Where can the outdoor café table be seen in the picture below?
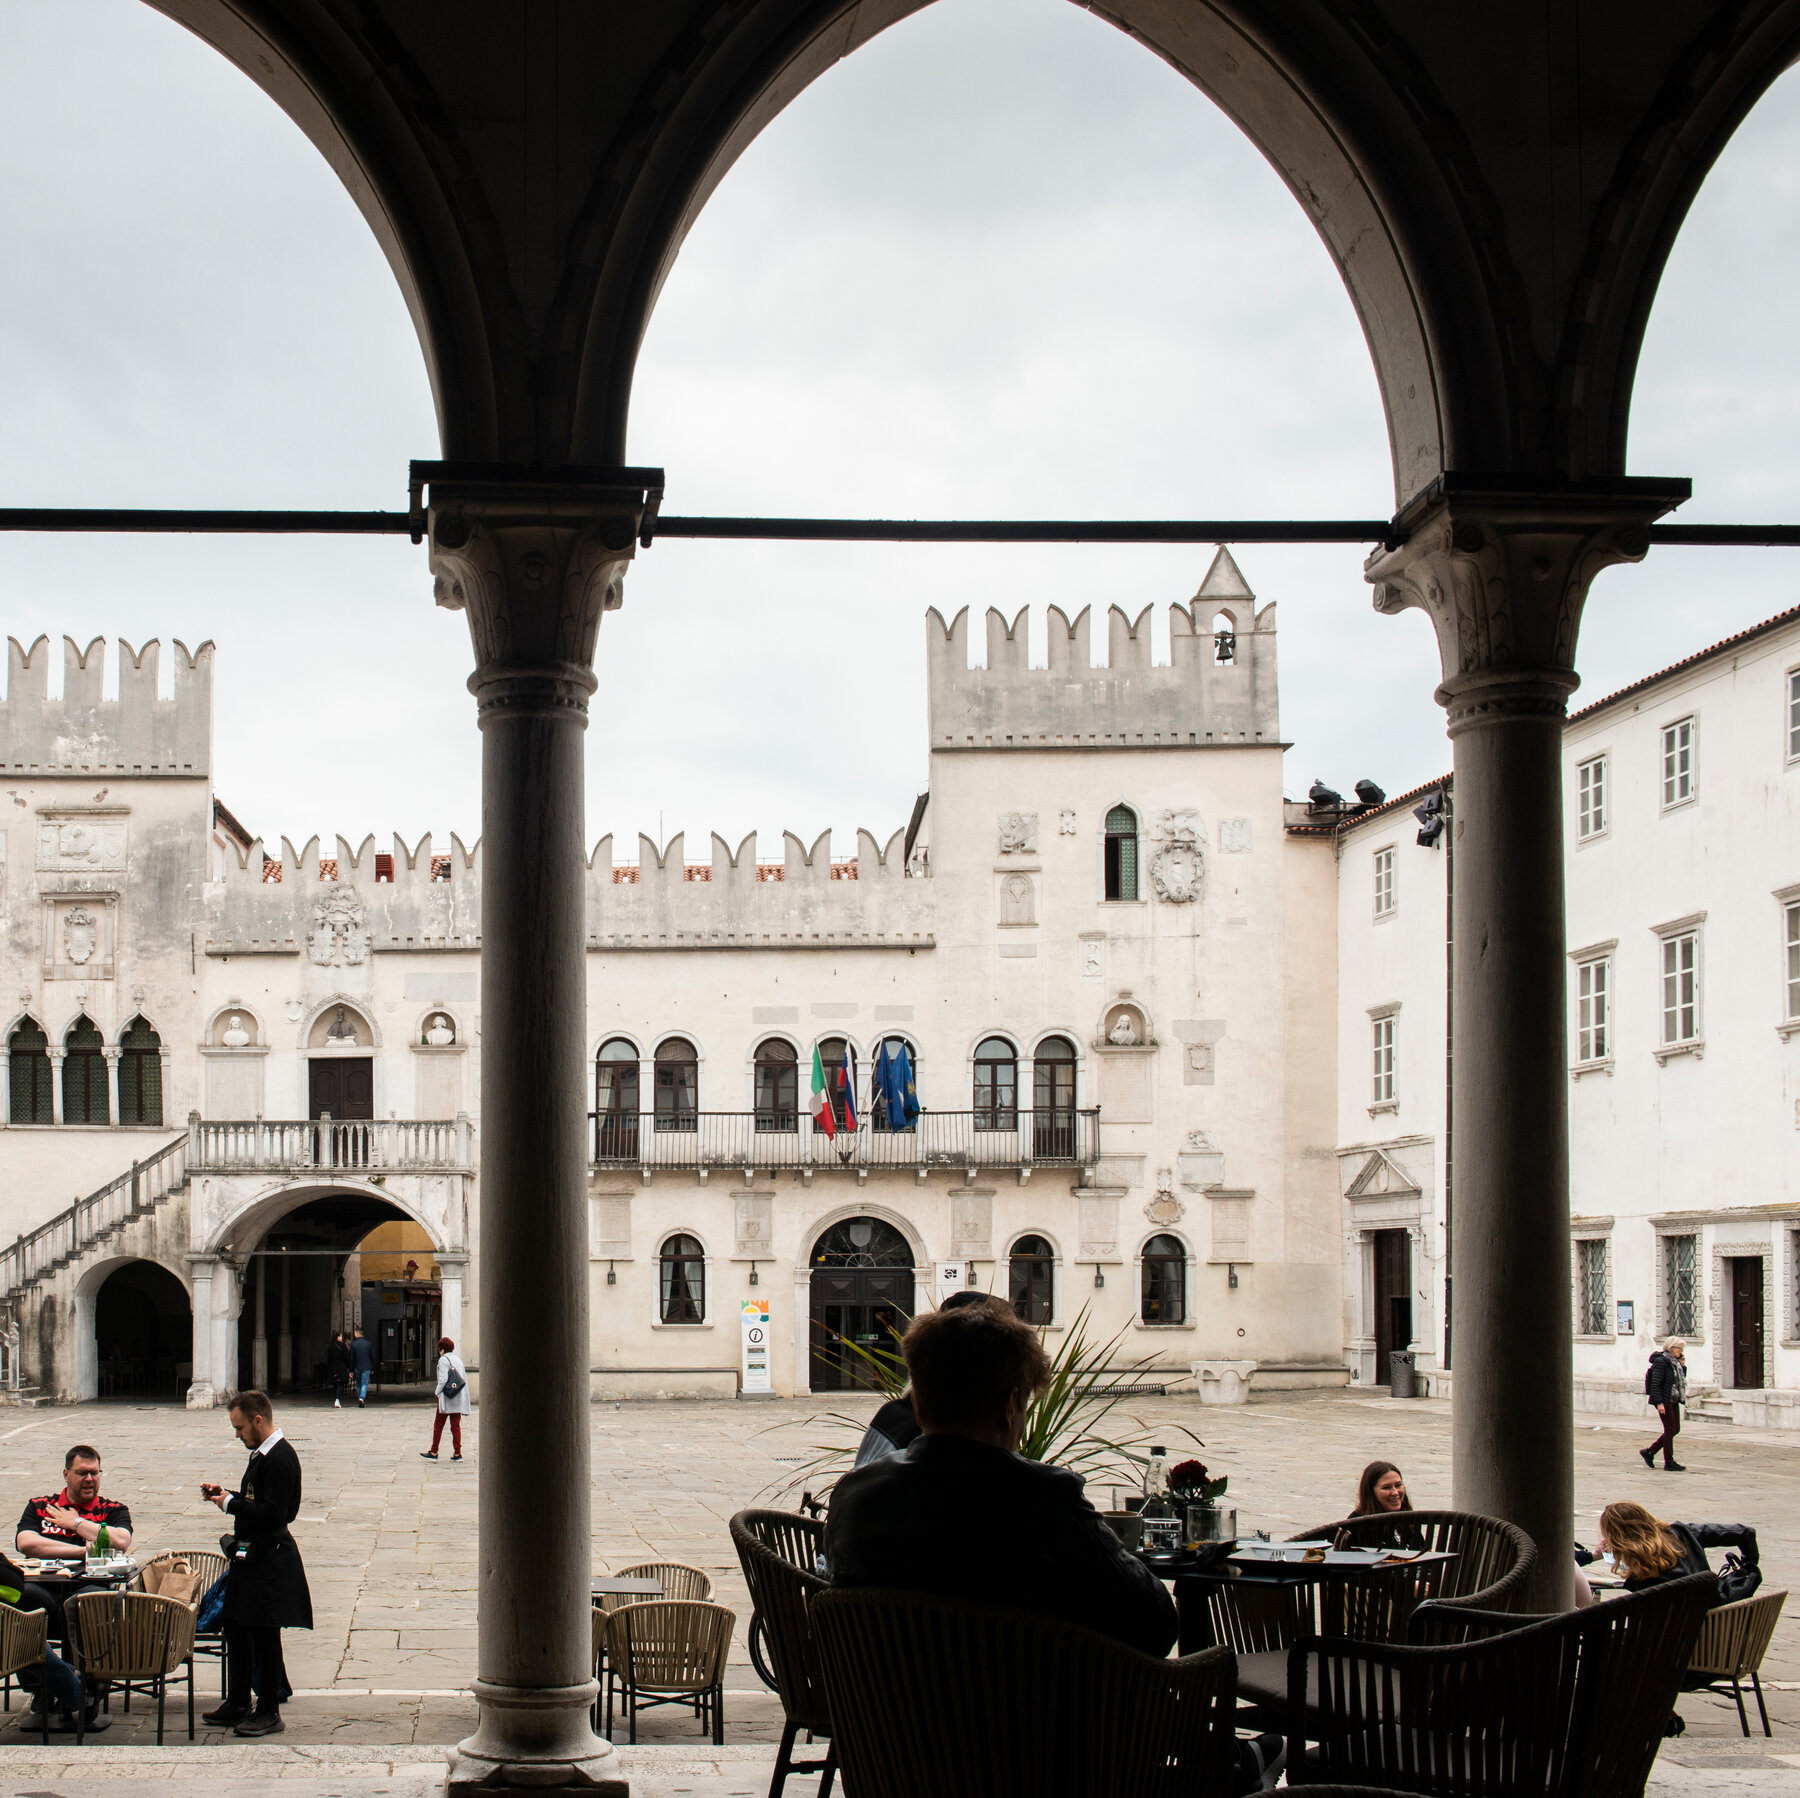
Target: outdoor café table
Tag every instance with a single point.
(61, 1580)
(1274, 1564)
(605, 1587)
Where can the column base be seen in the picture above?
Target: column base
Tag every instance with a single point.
(535, 1738)
(202, 1397)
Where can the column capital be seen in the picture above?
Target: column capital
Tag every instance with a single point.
(534, 562)
(1502, 569)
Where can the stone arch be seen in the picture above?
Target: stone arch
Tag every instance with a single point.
(259, 1033)
(842, 1214)
(423, 1021)
(240, 1230)
(364, 1012)
(85, 1304)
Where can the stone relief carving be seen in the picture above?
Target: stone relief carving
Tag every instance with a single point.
(1093, 959)
(81, 936)
(1234, 836)
(339, 933)
(1018, 833)
(1065, 824)
(1124, 1033)
(1018, 900)
(1173, 824)
(1165, 1208)
(1201, 1162)
(1177, 871)
(81, 848)
(235, 1035)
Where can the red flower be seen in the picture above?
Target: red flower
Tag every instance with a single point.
(1187, 1473)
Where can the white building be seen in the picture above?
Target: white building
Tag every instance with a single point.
(1682, 809)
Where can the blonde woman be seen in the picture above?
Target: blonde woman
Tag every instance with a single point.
(1651, 1552)
(1665, 1389)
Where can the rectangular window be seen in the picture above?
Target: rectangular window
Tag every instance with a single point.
(1681, 1285)
(1384, 1061)
(1593, 1023)
(1791, 917)
(1590, 798)
(1678, 762)
(1681, 987)
(1793, 717)
(1384, 882)
(1593, 1304)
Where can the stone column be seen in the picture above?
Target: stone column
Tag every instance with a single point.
(114, 1115)
(200, 1385)
(56, 1074)
(534, 565)
(452, 1270)
(284, 1339)
(259, 1339)
(1503, 575)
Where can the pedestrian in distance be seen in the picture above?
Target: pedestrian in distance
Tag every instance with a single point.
(452, 1401)
(265, 1590)
(362, 1364)
(337, 1369)
(1665, 1388)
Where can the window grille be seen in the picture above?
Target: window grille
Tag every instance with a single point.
(1678, 761)
(1384, 1061)
(1791, 916)
(1031, 1271)
(1384, 882)
(1590, 797)
(683, 1281)
(1594, 1300)
(1121, 853)
(85, 1098)
(1681, 987)
(28, 1075)
(1681, 1285)
(140, 1075)
(1164, 1281)
(1593, 1009)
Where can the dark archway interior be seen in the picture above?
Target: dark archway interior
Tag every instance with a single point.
(144, 1333)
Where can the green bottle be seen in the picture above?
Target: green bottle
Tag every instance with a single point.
(102, 1543)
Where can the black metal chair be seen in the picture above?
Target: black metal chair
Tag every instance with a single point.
(778, 1551)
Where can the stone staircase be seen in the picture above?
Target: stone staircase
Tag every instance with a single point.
(71, 1237)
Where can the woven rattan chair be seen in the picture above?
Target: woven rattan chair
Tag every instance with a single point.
(940, 1698)
(778, 1551)
(668, 1651)
(1572, 1706)
(132, 1640)
(209, 1645)
(1731, 1649)
(24, 1636)
(679, 1580)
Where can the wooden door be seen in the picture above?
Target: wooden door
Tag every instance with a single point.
(342, 1088)
(1746, 1285)
(861, 1305)
(1393, 1298)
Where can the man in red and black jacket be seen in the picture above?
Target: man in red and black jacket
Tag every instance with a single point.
(68, 1524)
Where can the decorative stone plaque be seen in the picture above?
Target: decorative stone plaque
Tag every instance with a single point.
(339, 934)
(1234, 836)
(1018, 833)
(81, 847)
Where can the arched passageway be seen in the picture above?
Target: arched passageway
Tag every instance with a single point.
(862, 1293)
(143, 1334)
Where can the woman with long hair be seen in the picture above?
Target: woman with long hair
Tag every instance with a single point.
(1650, 1551)
(1381, 1492)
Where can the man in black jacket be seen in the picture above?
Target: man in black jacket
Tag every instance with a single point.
(1665, 1386)
(267, 1590)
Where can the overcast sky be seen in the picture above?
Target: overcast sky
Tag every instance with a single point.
(1001, 263)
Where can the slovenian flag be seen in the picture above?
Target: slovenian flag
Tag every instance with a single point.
(821, 1098)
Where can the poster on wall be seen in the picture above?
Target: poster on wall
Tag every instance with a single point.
(756, 1346)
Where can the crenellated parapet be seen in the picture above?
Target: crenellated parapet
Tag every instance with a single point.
(82, 734)
(1218, 688)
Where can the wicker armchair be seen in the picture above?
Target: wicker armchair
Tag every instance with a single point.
(668, 1651)
(937, 1698)
(778, 1551)
(1731, 1648)
(24, 1636)
(210, 1565)
(1492, 1557)
(1572, 1706)
(679, 1580)
(132, 1640)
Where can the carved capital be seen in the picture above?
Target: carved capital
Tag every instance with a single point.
(534, 566)
(1503, 576)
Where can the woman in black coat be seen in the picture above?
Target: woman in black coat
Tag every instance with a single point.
(337, 1368)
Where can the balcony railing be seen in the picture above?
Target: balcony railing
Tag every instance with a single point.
(373, 1145)
(935, 1139)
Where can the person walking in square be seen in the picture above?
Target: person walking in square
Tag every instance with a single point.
(266, 1590)
(362, 1364)
(337, 1369)
(452, 1401)
(1665, 1387)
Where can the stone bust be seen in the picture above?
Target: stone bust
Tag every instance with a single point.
(1123, 1034)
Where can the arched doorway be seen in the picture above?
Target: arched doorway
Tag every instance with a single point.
(862, 1295)
(143, 1334)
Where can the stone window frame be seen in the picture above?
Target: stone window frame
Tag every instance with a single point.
(1667, 744)
(1594, 955)
(666, 1234)
(1674, 931)
(1787, 900)
(1388, 1098)
(1386, 862)
(1744, 1251)
(1602, 760)
(1591, 1230)
(1666, 1230)
(1793, 716)
(1790, 1281)
(1190, 1267)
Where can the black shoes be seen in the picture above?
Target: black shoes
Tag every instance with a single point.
(456, 1457)
(1648, 1457)
(1673, 1467)
(261, 1723)
(430, 1454)
(225, 1716)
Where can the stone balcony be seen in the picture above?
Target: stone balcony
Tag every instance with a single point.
(371, 1145)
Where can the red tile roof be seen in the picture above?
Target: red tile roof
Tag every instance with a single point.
(1722, 647)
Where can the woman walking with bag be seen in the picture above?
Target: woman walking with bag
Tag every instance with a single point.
(452, 1400)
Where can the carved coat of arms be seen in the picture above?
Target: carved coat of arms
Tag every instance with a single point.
(339, 934)
(81, 936)
(1177, 871)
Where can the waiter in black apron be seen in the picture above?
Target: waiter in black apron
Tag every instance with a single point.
(266, 1583)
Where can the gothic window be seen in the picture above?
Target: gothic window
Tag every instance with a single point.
(1031, 1272)
(85, 1099)
(677, 1085)
(777, 1086)
(835, 1056)
(140, 1075)
(996, 1085)
(616, 1101)
(1121, 853)
(28, 1075)
(1053, 1099)
(683, 1264)
(1164, 1281)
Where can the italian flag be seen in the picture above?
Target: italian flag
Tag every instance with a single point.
(821, 1098)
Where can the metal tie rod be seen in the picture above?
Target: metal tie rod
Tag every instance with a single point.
(838, 530)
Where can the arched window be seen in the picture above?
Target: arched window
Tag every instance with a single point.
(777, 1086)
(683, 1281)
(1165, 1281)
(1053, 1100)
(85, 1099)
(837, 1058)
(1121, 853)
(996, 1085)
(140, 1075)
(677, 1085)
(891, 1086)
(1032, 1271)
(28, 1075)
(616, 1101)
